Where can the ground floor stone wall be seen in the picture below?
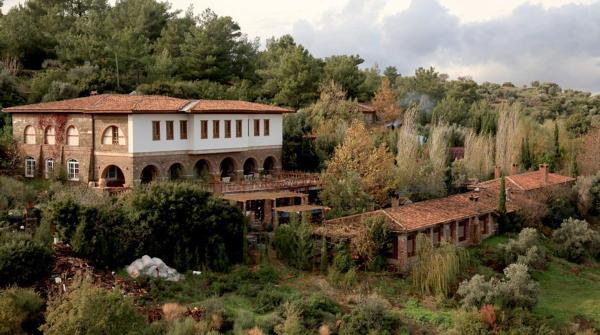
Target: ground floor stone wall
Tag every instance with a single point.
(122, 169)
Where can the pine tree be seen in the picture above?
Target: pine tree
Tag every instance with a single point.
(324, 259)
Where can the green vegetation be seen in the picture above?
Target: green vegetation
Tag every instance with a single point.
(566, 291)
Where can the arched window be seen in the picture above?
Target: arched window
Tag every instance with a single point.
(29, 135)
(49, 172)
(113, 135)
(72, 136)
(29, 167)
(72, 169)
(50, 136)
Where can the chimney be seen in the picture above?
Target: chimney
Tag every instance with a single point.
(544, 169)
(497, 172)
(514, 169)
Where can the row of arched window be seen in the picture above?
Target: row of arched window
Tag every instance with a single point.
(72, 168)
(111, 136)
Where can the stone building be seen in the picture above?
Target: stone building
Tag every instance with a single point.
(122, 140)
(463, 219)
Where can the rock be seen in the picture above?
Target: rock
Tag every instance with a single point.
(153, 267)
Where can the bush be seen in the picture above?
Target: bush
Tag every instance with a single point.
(177, 222)
(342, 260)
(477, 291)
(575, 240)
(524, 249)
(468, 323)
(267, 300)
(92, 310)
(370, 316)
(373, 242)
(23, 260)
(294, 244)
(64, 215)
(20, 311)
(517, 289)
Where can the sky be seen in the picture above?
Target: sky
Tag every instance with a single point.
(487, 40)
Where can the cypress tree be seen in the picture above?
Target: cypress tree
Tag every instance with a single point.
(502, 197)
(526, 159)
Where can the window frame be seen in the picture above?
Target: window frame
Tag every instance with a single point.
(155, 130)
(411, 245)
(73, 170)
(112, 136)
(203, 129)
(266, 127)
(227, 126)
(30, 165)
(256, 127)
(50, 136)
(183, 130)
(216, 125)
(239, 128)
(29, 138)
(170, 130)
(72, 139)
(49, 168)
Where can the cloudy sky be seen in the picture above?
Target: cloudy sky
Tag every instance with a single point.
(491, 40)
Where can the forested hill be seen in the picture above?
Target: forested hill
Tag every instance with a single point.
(58, 49)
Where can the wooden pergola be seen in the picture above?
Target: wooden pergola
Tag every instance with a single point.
(305, 209)
(269, 199)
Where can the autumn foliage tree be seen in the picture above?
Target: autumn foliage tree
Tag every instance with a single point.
(386, 102)
(358, 154)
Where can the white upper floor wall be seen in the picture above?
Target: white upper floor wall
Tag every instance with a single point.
(142, 139)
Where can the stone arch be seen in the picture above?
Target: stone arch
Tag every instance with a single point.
(269, 165)
(202, 169)
(149, 174)
(176, 171)
(227, 167)
(113, 135)
(113, 176)
(250, 166)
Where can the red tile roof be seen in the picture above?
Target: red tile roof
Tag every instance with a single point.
(424, 214)
(365, 108)
(227, 106)
(120, 103)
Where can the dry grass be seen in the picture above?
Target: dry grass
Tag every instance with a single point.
(173, 311)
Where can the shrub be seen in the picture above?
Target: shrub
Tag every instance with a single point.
(477, 291)
(20, 311)
(294, 244)
(23, 260)
(342, 260)
(92, 310)
(524, 249)
(369, 316)
(468, 323)
(267, 300)
(575, 240)
(373, 242)
(292, 323)
(64, 215)
(517, 289)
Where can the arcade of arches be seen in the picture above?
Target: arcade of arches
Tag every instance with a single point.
(214, 167)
